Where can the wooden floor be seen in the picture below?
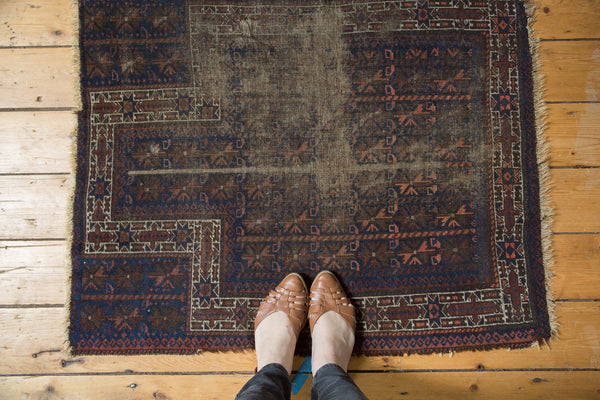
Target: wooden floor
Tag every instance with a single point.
(38, 86)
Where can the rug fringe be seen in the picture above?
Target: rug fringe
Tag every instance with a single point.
(543, 161)
(76, 60)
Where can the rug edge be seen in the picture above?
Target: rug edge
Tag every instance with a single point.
(543, 163)
(76, 64)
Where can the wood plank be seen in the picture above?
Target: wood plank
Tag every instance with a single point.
(34, 207)
(38, 78)
(33, 254)
(35, 272)
(51, 23)
(572, 70)
(37, 142)
(576, 270)
(24, 286)
(577, 347)
(44, 23)
(528, 385)
(573, 133)
(576, 195)
(33, 341)
(41, 142)
(576, 339)
(559, 19)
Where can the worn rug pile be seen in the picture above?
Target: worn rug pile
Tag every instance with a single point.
(224, 144)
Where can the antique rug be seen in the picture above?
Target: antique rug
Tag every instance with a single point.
(225, 143)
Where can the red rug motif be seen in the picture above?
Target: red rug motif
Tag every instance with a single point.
(224, 144)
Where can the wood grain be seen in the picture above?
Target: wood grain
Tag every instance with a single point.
(573, 133)
(42, 141)
(34, 207)
(33, 254)
(577, 348)
(572, 385)
(576, 269)
(37, 23)
(37, 142)
(52, 22)
(35, 273)
(37, 206)
(46, 77)
(560, 19)
(38, 78)
(576, 195)
(572, 70)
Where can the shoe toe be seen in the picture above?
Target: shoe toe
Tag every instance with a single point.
(290, 297)
(327, 294)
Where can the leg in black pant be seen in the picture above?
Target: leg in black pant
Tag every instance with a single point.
(332, 383)
(272, 382)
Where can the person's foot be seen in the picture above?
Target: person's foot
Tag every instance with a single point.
(332, 321)
(278, 323)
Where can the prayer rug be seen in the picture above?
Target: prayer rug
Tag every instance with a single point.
(224, 144)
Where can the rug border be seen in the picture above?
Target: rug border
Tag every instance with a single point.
(543, 163)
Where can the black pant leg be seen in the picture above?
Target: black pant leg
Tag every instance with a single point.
(272, 382)
(332, 383)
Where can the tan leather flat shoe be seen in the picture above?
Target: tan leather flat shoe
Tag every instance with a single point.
(327, 294)
(291, 297)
